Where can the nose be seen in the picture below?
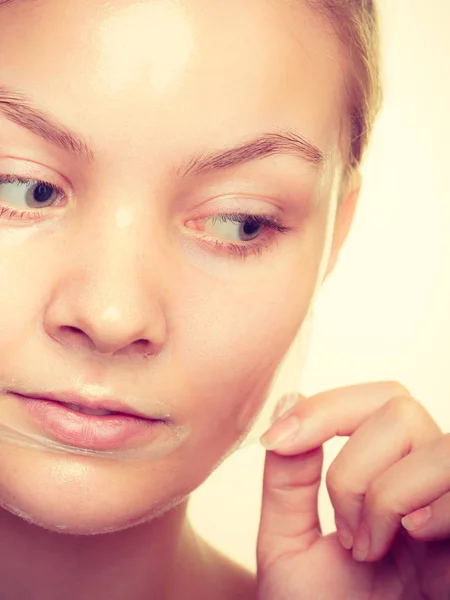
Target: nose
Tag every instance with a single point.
(105, 300)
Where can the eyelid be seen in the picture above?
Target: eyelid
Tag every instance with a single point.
(240, 202)
(30, 169)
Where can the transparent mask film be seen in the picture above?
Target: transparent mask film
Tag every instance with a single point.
(287, 380)
(158, 438)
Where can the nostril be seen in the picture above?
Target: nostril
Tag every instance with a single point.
(74, 336)
(107, 342)
(141, 346)
(71, 329)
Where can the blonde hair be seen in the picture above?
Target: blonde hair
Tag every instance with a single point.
(356, 24)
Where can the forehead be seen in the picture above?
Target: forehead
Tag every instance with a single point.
(167, 69)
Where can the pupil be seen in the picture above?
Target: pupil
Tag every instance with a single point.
(251, 228)
(42, 192)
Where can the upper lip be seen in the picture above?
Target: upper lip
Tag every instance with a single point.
(110, 404)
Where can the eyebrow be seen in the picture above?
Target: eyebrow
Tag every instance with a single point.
(5, 2)
(18, 108)
(279, 142)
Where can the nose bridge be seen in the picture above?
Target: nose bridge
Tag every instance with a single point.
(114, 237)
(112, 289)
(109, 242)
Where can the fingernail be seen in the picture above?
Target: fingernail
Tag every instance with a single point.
(362, 544)
(287, 402)
(417, 519)
(282, 433)
(344, 533)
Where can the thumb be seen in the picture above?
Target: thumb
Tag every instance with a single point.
(289, 514)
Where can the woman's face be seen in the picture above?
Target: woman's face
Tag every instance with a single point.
(121, 278)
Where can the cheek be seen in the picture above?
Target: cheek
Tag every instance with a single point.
(27, 267)
(232, 339)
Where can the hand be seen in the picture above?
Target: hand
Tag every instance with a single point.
(395, 464)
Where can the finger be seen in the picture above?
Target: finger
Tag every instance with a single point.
(335, 412)
(339, 412)
(397, 428)
(419, 480)
(289, 514)
(430, 528)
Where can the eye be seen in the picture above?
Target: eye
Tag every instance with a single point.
(22, 193)
(241, 228)
(238, 227)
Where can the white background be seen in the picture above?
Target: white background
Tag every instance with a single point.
(385, 312)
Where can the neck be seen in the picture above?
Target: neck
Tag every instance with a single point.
(151, 560)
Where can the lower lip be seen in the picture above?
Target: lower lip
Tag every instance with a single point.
(92, 432)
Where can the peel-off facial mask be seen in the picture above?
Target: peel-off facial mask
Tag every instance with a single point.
(287, 381)
(126, 438)
(65, 427)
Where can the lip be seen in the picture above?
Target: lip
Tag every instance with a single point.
(110, 404)
(93, 432)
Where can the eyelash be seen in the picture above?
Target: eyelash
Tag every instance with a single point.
(233, 250)
(10, 213)
(256, 248)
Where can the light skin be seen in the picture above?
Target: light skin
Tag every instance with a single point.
(389, 487)
(122, 285)
(117, 270)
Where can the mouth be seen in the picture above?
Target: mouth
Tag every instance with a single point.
(90, 405)
(98, 412)
(86, 423)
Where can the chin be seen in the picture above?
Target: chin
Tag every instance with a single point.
(85, 496)
(83, 523)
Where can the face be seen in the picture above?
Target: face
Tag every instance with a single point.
(165, 257)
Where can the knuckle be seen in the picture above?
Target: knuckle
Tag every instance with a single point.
(333, 480)
(378, 497)
(446, 443)
(402, 406)
(337, 484)
(396, 388)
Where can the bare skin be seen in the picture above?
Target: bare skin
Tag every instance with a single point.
(389, 490)
(120, 286)
(92, 564)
